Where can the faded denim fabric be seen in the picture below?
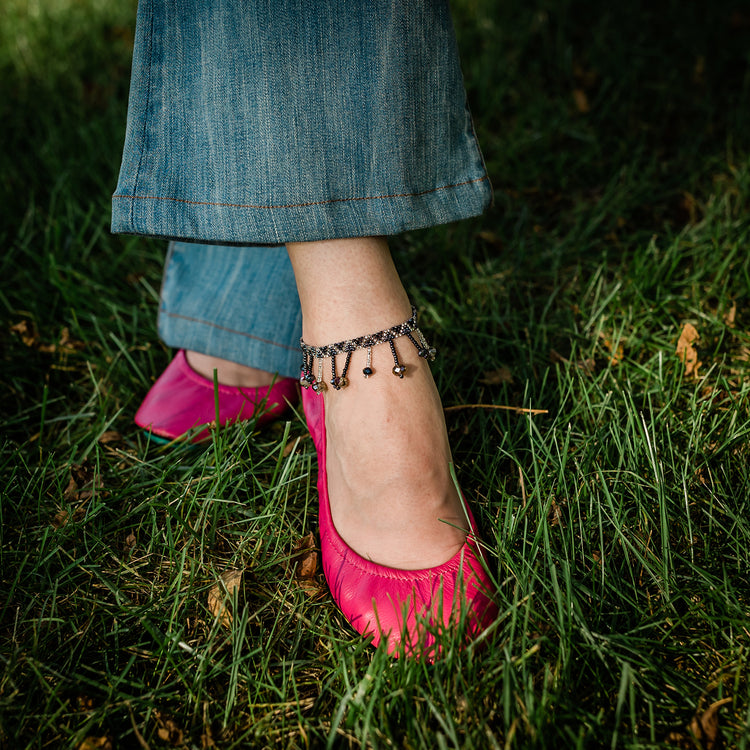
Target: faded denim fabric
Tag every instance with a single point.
(268, 121)
(237, 303)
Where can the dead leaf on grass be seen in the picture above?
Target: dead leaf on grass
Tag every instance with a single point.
(581, 100)
(84, 481)
(96, 743)
(68, 344)
(703, 731)
(491, 239)
(616, 351)
(29, 334)
(304, 562)
(554, 516)
(207, 736)
(220, 594)
(26, 329)
(730, 316)
(290, 447)
(685, 350)
(130, 541)
(60, 519)
(168, 730)
(497, 377)
(110, 436)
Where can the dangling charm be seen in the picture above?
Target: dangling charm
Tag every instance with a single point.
(367, 369)
(398, 368)
(344, 380)
(320, 385)
(306, 378)
(424, 350)
(339, 382)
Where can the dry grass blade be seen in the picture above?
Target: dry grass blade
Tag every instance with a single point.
(515, 409)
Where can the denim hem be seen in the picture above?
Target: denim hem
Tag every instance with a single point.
(239, 304)
(183, 332)
(246, 223)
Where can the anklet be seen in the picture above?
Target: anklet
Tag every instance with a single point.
(310, 353)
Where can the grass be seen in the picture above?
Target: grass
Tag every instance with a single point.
(617, 141)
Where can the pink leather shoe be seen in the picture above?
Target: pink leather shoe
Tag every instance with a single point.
(181, 400)
(405, 607)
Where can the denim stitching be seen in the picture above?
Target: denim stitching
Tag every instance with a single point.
(228, 330)
(300, 205)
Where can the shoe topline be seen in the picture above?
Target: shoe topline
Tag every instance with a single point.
(181, 400)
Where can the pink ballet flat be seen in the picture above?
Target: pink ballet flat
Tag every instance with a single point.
(181, 400)
(407, 608)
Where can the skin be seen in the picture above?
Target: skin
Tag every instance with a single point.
(408, 516)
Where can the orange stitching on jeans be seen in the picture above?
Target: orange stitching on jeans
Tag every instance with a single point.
(228, 330)
(299, 205)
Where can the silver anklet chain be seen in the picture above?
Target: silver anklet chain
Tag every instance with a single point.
(387, 336)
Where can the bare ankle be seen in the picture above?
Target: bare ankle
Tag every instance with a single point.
(227, 372)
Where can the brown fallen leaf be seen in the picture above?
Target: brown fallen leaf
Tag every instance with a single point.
(703, 731)
(290, 447)
(60, 519)
(207, 736)
(491, 239)
(27, 330)
(84, 481)
(581, 100)
(220, 594)
(68, 344)
(110, 436)
(699, 70)
(616, 351)
(685, 350)
(168, 730)
(730, 316)
(496, 377)
(96, 743)
(29, 334)
(84, 703)
(554, 516)
(304, 562)
(586, 77)
(130, 541)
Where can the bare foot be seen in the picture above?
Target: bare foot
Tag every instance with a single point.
(228, 373)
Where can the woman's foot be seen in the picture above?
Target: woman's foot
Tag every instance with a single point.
(392, 497)
(391, 494)
(184, 398)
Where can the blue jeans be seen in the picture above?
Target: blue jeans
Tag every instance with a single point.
(260, 122)
(237, 303)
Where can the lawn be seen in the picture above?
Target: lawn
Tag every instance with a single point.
(595, 368)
